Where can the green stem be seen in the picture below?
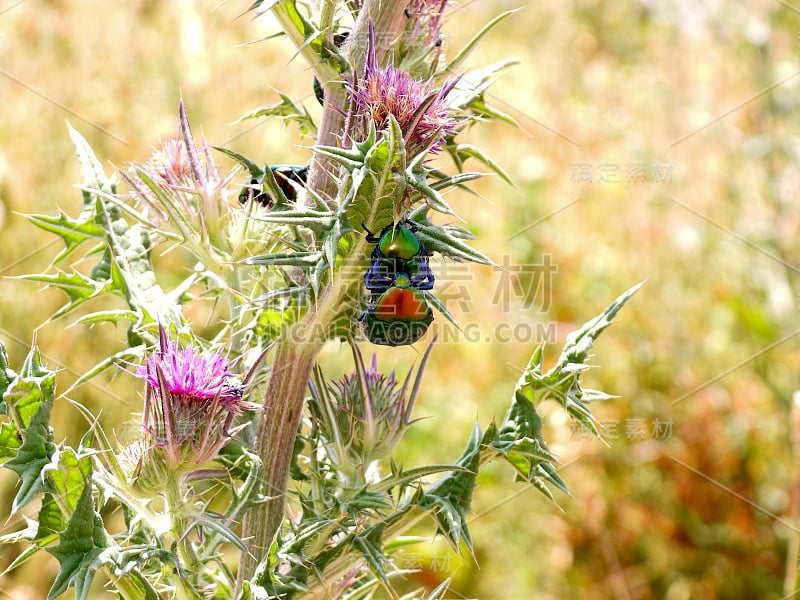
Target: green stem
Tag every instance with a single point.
(125, 586)
(341, 565)
(283, 11)
(188, 558)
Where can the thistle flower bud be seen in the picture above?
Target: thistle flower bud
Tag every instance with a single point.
(169, 163)
(180, 190)
(191, 401)
(365, 414)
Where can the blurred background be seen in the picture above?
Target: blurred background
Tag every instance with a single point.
(658, 141)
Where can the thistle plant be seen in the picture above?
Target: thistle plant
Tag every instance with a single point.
(245, 442)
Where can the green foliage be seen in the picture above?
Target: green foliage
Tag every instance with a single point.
(290, 273)
(81, 547)
(28, 400)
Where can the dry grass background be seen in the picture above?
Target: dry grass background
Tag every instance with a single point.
(706, 93)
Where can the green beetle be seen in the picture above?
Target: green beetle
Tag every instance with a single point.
(397, 317)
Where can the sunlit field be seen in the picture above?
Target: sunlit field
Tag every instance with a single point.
(657, 141)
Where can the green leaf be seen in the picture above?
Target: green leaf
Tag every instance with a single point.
(73, 231)
(129, 245)
(7, 375)
(51, 521)
(463, 151)
(81, 548)
(67, 475)
(288, 111)
(440, 239)
(459, 179)
(417, 178)
(519, 440)
(76, 286)
(108, 316)
(93, 175)
(130, 355)
(402, 478)
(29, 400)
(438, 593)
(450, 497)
(9, 441)
(576, 348)
(468, 96)
(256, 171)
(316, 221)
(288, 259)
(470, 45)
(368, 545)
(434, 301)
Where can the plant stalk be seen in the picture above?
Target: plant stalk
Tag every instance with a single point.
(296, 354)
(283, 407)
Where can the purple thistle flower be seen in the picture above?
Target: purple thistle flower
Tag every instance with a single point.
(190, 403)
(419, 109)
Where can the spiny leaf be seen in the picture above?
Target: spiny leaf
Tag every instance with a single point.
(29, 400)
(289, 259)
(287, 110)
(51, 521)
(402, 478)
(450, 497)
(67, 474)
(576, 348)
(7, 375)
(519, 440)
(434, 301)
(470, 45)
(9, 441)
(131, 355)
(439, 239)
(417, 178)
(256, 171)
(81, 548)
(108, 316)
(368, 545)
(316, 221)
(459, 179)
(32, 456)
(93, 175)
(463, 151)
(78, 288)
(73, 231)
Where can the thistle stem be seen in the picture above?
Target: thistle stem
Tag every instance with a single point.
(189, 561)
(283, 404)
(283, 407)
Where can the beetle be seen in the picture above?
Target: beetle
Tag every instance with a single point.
(398, 251)
(397, 317)
(288, 178)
